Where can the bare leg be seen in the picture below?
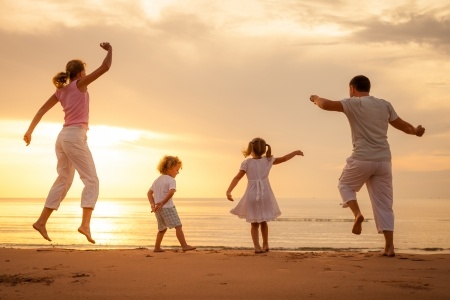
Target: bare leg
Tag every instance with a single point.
(85, 227)
(265, 236)
(182, 240)
(359, 218)
(159, 238)
(255, 237)
(42, 221)
(389, 247)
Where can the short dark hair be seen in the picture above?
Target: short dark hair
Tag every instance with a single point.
(361, 83)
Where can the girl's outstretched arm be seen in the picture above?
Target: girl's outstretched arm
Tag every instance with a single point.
(287, 157)
(233, 184)
(41, 112)
(104, 67)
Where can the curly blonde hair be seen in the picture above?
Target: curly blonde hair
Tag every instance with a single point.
(168, 162)
(258, 146)
(73, 67)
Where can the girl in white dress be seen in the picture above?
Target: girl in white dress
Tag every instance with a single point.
(258, 204)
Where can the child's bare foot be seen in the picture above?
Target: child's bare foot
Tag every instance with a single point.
(159, 250)
(188, 248)
(41, 229)
(357, 226)
(266, 248)
(389, 252)
(259, 250)
(87, 233)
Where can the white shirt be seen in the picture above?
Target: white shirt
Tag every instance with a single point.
(161, 187)
(369, 119)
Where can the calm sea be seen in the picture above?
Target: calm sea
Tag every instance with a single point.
(422, 225)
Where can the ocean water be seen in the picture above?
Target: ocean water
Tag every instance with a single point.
(422, 225)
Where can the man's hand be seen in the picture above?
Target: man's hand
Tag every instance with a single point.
(420, 130)
(313, 98)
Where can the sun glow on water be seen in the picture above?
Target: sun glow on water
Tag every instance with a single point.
(116, 151)
(104, 224)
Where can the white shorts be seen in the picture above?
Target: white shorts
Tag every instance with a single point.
(378, 179)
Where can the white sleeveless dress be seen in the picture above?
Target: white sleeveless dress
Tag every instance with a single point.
(258, 204)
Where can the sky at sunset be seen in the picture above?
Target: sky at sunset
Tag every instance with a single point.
(199, 79)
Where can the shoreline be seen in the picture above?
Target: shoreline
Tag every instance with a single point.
(96, 247)
(43, 273)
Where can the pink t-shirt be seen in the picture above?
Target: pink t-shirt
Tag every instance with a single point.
(75, 105)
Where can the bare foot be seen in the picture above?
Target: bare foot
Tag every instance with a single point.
(389, 252)
(87, 233)
(266, 248)
(259, 251)
(159, 250)
(42, 231)
(357, 226)
(188, 248)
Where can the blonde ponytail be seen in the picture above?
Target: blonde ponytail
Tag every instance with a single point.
(60, 79)
(73, 68)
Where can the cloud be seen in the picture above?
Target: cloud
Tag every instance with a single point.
(214, 74)
(319, 22)
(405, 26)
(52, 15)
(402, 22)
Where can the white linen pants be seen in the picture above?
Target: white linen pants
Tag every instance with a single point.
(378, 179)
(73, 154)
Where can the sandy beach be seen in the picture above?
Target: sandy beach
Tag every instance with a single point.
(219, 274)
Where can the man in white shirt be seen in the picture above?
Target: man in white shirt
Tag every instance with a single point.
(370, 162)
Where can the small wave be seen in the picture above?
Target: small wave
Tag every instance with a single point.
(432, 249)
(74, 247)
(316, 220)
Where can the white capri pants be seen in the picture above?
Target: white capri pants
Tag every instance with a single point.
(378, 179)
(73, 154)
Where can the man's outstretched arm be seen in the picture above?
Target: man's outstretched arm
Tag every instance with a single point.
(326, 104)
(407, 128)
